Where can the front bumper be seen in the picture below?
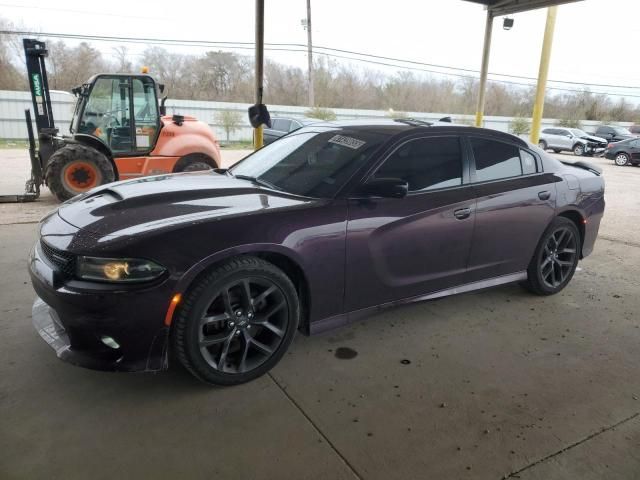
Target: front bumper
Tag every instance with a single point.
(101, 330)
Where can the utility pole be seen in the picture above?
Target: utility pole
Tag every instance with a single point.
(312, 99)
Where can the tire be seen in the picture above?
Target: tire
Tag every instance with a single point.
(555, 150)
(622, 159)
(194, 162)
(75, 168)
(542, 144)
(559, 247)
(578, 150)
(241, 339)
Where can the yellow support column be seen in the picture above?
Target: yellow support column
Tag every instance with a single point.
(545, 58)
(484, 69)
(258, 139)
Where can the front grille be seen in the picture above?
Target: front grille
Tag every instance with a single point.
(63, 261)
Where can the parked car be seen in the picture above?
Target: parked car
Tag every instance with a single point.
(635, 130)
(574, 140)
(624, 153)
(321, 228)
(613, 133)
(280, 126)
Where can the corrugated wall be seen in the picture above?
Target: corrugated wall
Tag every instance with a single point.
(13, 104)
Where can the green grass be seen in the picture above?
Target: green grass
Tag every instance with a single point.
(5, 143)
(244, 145)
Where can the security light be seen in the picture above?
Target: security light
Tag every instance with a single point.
(507, 23)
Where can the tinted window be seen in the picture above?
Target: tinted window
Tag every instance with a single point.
(294, 126)
(426, 163)
(547, 130)
(528, 162)
(283, 125)
(314, 162)
(495, 160)
(276, 124)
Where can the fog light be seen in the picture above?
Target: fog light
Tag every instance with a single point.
(110, 342)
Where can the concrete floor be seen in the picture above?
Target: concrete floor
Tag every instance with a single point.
(498, 383)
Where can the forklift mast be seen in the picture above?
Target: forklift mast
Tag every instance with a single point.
(35, 53)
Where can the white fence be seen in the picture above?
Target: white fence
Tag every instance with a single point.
(13, 105)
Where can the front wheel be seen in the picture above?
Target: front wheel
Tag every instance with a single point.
(578, 149)
(75, 168)
(555, 259)
(236, 322)
(622, 159)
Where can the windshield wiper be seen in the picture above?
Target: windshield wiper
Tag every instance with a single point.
(258, 181)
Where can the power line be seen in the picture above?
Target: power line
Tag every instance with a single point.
(302, 49)
(206, 43)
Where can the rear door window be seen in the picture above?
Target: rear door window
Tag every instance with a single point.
(528, 162)
(495, 160)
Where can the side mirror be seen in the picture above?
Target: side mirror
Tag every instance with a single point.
(385, 187)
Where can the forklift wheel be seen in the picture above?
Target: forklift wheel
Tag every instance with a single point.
(74, 169)
(194, 162)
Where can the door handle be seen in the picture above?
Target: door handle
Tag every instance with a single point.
(544, 195)
(462, 213)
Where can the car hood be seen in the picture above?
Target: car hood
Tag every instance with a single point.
(593, 138)
(170, 201)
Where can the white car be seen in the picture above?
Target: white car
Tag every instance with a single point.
(574, 140)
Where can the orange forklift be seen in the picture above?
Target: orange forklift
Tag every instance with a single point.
(119, 131)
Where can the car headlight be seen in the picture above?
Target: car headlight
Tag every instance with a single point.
(117, 270)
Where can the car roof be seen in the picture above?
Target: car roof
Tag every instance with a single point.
(408, 125)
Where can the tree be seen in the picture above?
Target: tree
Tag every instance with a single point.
(569, 123)
(519, 126)
(10, 76)
(122, 63)
(230, 120)
(321, 113)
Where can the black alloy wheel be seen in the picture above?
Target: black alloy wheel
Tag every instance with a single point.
(243, 326)
(555, 259)
(237, 322)
(559, 257)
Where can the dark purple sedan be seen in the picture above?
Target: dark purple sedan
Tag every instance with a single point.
(219, 269)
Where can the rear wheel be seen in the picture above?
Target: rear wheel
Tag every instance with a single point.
(236, 322)
(74, 169)
(578, 149)
(622, 159)
(194, 162)
(542, 144)
(555, 259)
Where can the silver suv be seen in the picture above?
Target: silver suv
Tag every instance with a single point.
(573, 140)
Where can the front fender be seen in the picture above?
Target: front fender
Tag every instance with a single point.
(187, 278)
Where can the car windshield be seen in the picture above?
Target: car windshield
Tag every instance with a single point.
(578, 133)
(312, 162)
(621, 131)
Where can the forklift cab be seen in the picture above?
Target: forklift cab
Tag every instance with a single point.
(120, 110)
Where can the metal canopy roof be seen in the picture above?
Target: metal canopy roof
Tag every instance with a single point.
(507, 7)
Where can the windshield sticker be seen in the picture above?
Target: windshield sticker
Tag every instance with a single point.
(348, 142)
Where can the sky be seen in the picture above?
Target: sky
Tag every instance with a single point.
(595, 40)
